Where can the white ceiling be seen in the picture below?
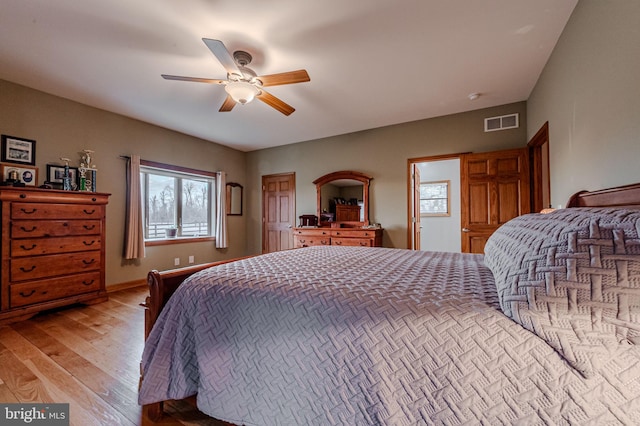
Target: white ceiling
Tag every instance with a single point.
(372, 63)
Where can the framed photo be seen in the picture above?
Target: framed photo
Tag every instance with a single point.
(18, 150)
(435, 198)
(55, 174)
(25, 174)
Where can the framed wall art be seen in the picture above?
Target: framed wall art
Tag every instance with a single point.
(435, 198)
(18, 150)
(234, 199)
(20, 174)
(55, 174)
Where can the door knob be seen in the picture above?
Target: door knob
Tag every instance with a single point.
(466, 230)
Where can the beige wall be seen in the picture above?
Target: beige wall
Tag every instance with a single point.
(62, 128)
(589, 92)
(381, 153)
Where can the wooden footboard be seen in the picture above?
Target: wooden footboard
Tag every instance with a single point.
(161, 286)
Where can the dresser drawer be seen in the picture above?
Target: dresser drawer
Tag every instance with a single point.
(40, 246)
(354, 242)
(308, 241)
(32, 292)
(353, 233)
(58, 211)
(54, 228)
(312, 232)
(29, 268)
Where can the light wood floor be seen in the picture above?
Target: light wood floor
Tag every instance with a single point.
(89, 357)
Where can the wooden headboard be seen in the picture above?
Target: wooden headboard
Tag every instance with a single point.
(620, 196)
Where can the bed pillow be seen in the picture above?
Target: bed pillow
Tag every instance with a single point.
(573, 278)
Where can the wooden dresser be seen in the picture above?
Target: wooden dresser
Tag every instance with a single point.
(305, 237)
(53, 250)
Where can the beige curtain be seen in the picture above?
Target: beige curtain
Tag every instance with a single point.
(134, 232)
(221, 210)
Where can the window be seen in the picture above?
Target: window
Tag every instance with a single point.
(178, 202)
(434, 198)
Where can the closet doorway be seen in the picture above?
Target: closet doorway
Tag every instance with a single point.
(434, 204)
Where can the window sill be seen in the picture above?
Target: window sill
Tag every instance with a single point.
(177, 240)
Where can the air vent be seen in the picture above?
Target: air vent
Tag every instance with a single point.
(503, 122)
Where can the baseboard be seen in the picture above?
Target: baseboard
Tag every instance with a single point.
(127, 285)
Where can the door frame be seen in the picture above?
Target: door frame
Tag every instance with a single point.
(411, 162)
(540, 169)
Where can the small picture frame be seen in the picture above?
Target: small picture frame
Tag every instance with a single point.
(18, 150)
(19, 174)
(55, 174)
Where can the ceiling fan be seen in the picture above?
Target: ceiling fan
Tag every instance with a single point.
(243, 84)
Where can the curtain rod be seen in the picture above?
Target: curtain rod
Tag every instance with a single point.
(126, 157)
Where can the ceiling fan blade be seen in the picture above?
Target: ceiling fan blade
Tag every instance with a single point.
(299, 76)
(195, 79)
(227, 105)
(276, 103)
(220, 51)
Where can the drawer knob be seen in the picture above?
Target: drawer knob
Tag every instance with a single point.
(25, 211)
(22, 293)
(88, 262)
(89, 227)
(23, 269)
(85, 282)
(23, 229)
(89, 212)
(338, 243)
(94, 199)
(28, 248)
(23, 195)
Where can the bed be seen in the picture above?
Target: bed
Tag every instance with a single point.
(541, 329)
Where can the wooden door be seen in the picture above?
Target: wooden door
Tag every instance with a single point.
(415, 208)
(494, 188)
(278, 211)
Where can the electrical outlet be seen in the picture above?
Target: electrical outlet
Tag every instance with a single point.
(192, 259)
(176, 261)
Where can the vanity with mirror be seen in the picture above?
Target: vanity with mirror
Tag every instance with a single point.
(342, 213)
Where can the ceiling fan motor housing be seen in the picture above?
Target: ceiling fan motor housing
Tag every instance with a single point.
(242, 58)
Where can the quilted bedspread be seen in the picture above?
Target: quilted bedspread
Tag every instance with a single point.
(367, 336)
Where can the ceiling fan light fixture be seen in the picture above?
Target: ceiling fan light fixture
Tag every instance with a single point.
(241, 91)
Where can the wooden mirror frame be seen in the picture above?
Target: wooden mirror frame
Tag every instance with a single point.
(233, 190)
(345, 174)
